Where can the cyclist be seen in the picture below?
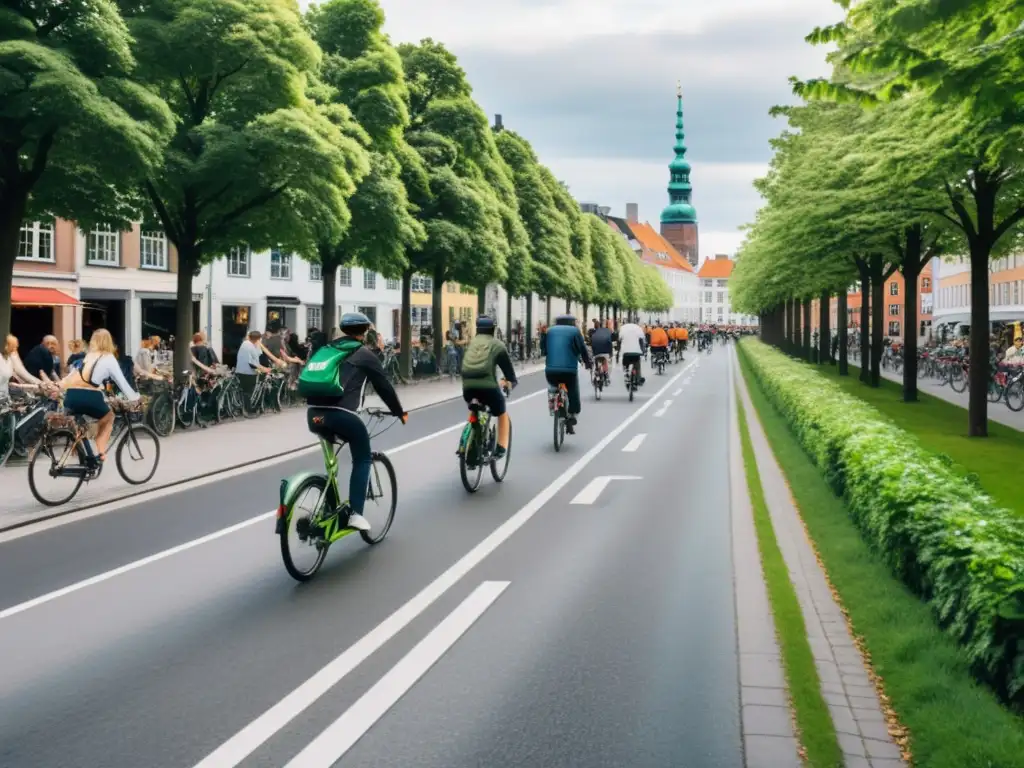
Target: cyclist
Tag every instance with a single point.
(566, 347)
(601, 345)
(659, 343)
(632, 342)
(483, 355)
(333, 383)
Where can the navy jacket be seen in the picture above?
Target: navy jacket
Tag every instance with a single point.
(565, 347)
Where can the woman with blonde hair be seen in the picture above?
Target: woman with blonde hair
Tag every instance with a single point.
(84, 388)
(12, 370)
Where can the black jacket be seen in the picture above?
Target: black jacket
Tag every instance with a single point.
(39, 360)
(360, 367)
(601, 341)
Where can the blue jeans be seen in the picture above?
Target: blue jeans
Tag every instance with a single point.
(347, 426)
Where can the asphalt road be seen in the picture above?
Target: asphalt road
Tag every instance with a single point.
(559, 619)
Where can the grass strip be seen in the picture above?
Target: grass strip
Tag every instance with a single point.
(817, 733)
(953, 721)
(941, 427)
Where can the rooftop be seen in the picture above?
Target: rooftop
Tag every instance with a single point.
(720, 267)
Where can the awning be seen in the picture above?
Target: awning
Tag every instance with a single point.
(283, 301)
(41, 297)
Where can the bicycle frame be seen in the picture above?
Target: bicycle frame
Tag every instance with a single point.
(290, 485)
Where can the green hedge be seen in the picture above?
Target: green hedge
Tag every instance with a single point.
(940, 533)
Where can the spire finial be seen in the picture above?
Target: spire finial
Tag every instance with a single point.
(679, 89)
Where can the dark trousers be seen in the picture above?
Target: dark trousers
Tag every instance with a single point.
(345, 425)
(572, 383)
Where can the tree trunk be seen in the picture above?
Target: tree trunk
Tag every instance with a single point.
(437, 318)
(568, 306)
(189, 258)
(405, 338)
(824, 329)
(481, 302)
(11, 215)
(977, 375)
(586, 307)
(548, 310)
(794, 327)
(508, 316)
(877, 318)
(329, 273)
(912, 266)
(807, 330)
(843, 321)
(865, 322)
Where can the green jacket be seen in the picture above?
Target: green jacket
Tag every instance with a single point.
(483, 355)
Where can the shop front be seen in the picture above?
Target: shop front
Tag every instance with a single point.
(159, 314)
(234, 320)
(282, 311)
(38, 312)
(110, 309)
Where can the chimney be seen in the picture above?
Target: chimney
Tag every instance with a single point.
(632, 213)
(497, 124)
(721, 256)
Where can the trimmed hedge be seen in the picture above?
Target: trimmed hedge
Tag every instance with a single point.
(948, 541)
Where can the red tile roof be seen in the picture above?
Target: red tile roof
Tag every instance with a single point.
(720, 268)
(653, 244)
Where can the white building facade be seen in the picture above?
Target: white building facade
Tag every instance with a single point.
(715, 306)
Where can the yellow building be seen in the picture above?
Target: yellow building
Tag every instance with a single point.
(457, 303)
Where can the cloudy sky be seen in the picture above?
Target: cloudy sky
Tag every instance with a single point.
(591, 83)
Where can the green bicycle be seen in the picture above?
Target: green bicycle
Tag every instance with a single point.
(306, 523)
(477, 444)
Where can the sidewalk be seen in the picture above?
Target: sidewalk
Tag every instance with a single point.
(198, 452)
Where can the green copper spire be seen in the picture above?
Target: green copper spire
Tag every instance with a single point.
(679, 210)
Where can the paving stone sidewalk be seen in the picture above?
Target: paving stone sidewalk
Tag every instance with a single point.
(846, 686)
(187, 454)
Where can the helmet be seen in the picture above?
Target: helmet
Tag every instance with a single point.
(565, 320)
(354, 323)
(484, 324)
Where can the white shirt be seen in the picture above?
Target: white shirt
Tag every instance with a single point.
(631, 339)
(1014, 354)
(248, 358)
(107, 369)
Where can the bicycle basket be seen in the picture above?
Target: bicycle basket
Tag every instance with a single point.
(60, 421)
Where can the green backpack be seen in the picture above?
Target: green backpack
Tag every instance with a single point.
(320, 377)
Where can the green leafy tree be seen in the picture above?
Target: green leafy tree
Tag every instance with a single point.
(253, 160)
(566, 265)
(363, 72)
(608, 270)
(77, 132)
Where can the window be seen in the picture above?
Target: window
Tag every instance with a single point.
(465, 315)
(393, 285)
(1016, 292)
(314, 317)
(422, 284)
(369, 280)
(238, 261)
(721, 296)
(707, 297)
(707, 283)
(1006, 293)
(926, 284)
(370, 312)
(420, 316)
(722, 283)
(316, 274)
(345, 273)
(280, 265)
(894, 310)
(894, 288)
(36, 242)
(452, 287)
(153, 250)
(894, 327)
(101, 247)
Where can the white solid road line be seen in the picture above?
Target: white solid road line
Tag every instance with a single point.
(251, 737)
(170, 490)
(633, 445)
(341, 735)
(184, 547)
(664, 408)
(589, 494)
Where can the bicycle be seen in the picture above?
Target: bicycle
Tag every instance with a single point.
(599, 377)
(160, 412)
(558, 405)
(477, 444)
(659, 358)
(66, 437)
(632, 381)
(319, 527)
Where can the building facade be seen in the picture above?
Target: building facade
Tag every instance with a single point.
(45, 293)
(679, 218)
(715, 305)
(953, 293)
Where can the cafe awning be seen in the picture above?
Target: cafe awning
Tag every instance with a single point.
(22, 296)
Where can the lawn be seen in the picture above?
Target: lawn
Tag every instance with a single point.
(942, 428)
(953, 721)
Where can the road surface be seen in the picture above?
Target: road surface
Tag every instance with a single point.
(579, 614)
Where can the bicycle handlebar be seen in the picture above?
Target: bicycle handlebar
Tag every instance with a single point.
(380, 413)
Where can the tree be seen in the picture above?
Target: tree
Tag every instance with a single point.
(253, 160)
(361, 70)
(76, 131)
(611, 285)
(561, 278)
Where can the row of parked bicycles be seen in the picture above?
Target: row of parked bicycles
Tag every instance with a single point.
(949, 366)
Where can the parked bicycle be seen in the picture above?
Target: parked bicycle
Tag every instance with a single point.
(65, 453)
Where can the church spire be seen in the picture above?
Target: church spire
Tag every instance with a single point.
(679, 210)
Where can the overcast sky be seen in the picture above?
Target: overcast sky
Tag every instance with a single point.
(592, 83)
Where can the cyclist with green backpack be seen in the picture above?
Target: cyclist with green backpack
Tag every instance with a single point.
(333, 382)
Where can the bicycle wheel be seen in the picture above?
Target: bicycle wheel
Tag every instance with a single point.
(236, 402)
(496, 473)
(161, 414)
(137, 448)
(631, 385)
(469, 471)
(302, 553)
(995, 392)
(958, 379)
(185, 412)
(1014, 396)
(252, 406)
(597, 386)
(381, 499)
(57, 453)
(559, 427)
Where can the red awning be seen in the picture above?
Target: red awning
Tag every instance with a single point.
(41, 297)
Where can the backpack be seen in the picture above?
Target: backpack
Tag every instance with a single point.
(321, 375)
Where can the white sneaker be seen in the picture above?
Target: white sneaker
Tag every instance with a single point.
(358, 522)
